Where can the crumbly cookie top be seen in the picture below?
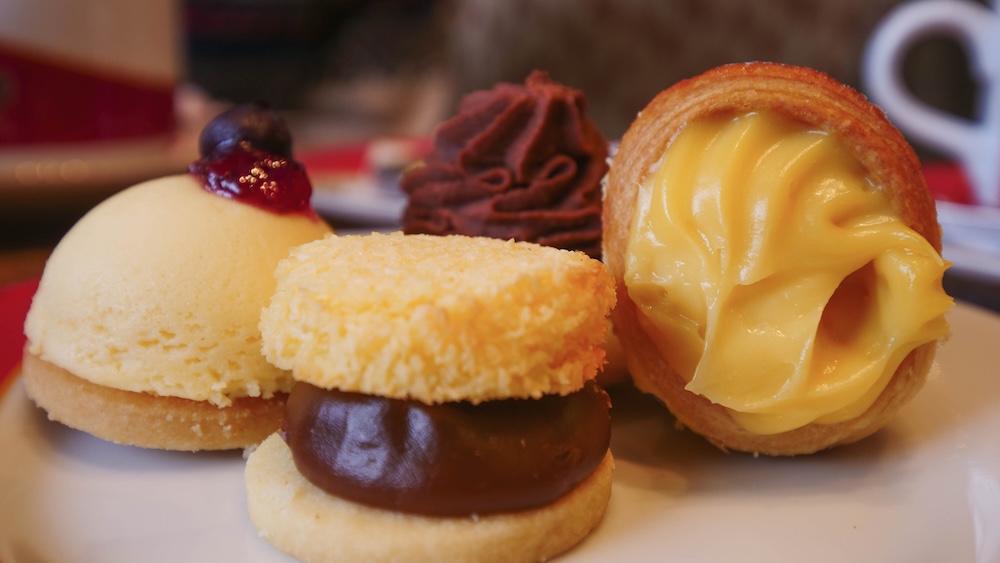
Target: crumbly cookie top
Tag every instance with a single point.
(438, 318)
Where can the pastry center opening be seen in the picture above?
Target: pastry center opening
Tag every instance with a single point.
(850, 305)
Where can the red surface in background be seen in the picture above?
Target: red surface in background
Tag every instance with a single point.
(14, 302)
(51, 101)
(355, 158)
(947, 182)
(350, 158)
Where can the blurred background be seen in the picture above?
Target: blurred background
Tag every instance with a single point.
(399, 66)
(351, 70)
(346, 72)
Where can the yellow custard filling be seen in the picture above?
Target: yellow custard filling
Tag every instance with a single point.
(774, 277)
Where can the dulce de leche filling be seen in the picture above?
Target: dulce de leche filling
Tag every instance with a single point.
(520, 162)
(774, 277)
(448, 459)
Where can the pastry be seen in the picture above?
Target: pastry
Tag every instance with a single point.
(777, 258)
(143, 330)
(518, 161)
(443, 408)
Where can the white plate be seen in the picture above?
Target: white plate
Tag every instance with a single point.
(926, 488)
(359, 183)
(971, 238)
(360, 200)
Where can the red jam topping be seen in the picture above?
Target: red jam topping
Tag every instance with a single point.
(520, 162)
(262, 179)
(449, 459)
(246, 155)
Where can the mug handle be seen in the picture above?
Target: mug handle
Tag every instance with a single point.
(975, 143)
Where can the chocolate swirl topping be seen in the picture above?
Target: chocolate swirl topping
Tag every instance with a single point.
(518, 161)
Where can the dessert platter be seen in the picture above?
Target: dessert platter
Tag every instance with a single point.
(925, 488)
(728, 341)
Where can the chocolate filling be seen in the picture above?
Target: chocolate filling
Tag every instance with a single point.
(449, 459)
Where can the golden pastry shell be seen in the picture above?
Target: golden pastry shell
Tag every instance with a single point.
(819, 102)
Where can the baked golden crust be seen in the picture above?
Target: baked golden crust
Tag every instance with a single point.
(311, 525)
(819, 102)
(438, 318)
(146, 420)
(652, 374)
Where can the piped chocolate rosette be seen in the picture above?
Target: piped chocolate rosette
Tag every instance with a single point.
(521, 162)
(444, 405)
(777, 256)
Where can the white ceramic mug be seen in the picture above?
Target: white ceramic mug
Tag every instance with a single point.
(974, 144)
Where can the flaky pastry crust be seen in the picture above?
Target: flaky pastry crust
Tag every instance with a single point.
(146, 420)
(819, 102)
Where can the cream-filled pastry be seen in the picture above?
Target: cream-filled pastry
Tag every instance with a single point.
(778, 259)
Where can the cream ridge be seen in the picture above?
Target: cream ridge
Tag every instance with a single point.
(773, 274)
